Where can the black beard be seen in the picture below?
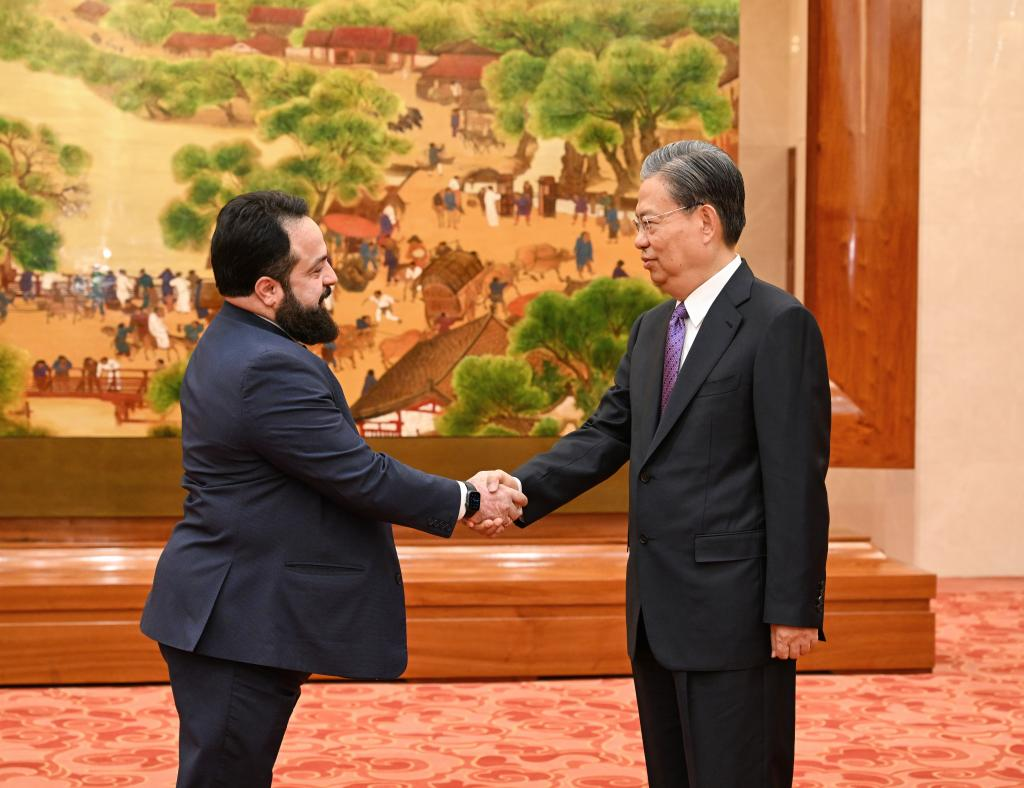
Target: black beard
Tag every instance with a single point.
(308, 325)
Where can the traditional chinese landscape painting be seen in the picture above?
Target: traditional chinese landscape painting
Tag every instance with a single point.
(473, 164)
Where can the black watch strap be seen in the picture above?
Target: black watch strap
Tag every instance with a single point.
(472, 499)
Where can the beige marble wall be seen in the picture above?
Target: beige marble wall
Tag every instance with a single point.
(773, 97)
(970, 416)
(773, 118)
(958, 512)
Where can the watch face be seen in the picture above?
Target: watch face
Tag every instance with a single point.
(473, 502)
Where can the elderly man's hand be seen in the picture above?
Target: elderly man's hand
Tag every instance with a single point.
(792, 642)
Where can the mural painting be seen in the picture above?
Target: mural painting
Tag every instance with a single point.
(473, 165)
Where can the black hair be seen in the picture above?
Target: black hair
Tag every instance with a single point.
(250, 240)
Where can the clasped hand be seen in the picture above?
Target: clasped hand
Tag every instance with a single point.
(501, 502)
(791, 642)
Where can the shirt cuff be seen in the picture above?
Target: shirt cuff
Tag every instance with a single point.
(518, 482)
(462, 499)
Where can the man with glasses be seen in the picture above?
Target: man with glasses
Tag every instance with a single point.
(721, 406)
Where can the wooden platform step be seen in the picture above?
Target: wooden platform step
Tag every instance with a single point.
(481, 609)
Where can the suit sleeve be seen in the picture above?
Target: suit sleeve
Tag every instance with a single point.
(792, 418)
(295, 424)
(586, 457)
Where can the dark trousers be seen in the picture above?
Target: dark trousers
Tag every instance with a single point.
(716, 729)
(232, 718)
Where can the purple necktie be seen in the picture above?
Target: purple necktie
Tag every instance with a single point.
(673, 350)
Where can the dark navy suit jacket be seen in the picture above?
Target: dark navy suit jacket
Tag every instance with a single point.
(285, 555)
(728, 512)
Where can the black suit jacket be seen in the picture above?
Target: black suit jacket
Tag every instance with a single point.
(728, 514)
(285, 556)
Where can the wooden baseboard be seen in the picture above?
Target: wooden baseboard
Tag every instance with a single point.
(476, 608)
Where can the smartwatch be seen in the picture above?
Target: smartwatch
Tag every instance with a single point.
(472, 500)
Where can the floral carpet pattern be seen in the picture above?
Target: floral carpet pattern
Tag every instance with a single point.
(960, 727)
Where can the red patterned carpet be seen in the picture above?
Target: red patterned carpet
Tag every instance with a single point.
(962, 726)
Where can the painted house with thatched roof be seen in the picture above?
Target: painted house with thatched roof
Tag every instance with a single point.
(449, 68)
(409, 396)
(262, 44)
(443, 279)
(380, 47)
(274, 20)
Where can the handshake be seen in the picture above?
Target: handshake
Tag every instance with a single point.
(501, 502)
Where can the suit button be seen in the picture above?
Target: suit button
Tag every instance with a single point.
(645, 476)
(643, 539)
(398, 578)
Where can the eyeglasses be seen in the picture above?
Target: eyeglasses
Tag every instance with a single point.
(646, 225)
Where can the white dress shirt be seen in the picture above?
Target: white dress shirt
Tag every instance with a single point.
(699, 302)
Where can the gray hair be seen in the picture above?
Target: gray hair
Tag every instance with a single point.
(698, 172)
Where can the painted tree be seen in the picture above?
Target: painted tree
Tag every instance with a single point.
(605, 103)
(584, 335)
(671, 86)
(164, 391)
(543, 28)
(243, 7)
(226, 79)
(433, 22)
(529, 33)
(14, 369)
(14, 365)
(708, 17)
(436, 22)
(489, 389)
(588, 52)
(510, 82)
(340, 130)
(162, 90)
(213, 176)
(40, 177)
(290, 81)
(45, 47)
(17, 27)
(152, 21)
(157, 89)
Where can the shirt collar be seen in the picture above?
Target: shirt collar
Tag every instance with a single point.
(275, 325)
(699, 302)
(278, 327)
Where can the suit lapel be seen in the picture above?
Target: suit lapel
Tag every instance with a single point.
(649, 358)
(716, 334)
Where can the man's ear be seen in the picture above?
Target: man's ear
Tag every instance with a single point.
(710, 222)
(269, 292)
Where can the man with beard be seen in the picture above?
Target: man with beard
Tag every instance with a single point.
(284, 563)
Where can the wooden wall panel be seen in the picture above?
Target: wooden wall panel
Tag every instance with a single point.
(863, 123)
(477, 609)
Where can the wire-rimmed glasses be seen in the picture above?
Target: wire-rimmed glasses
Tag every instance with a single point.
(644, 224)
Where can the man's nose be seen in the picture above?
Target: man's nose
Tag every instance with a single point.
(330, 278)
